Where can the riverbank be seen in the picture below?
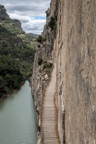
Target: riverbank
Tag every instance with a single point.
(11, 92)
(4, 96)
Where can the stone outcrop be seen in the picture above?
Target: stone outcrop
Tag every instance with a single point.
(17, 23)
(74, 40)
(4, 17)
(3, 14)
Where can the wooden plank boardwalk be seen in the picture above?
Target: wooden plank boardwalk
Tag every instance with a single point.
(49, 123)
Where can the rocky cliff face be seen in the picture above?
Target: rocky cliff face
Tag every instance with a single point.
(74, 45)
(3, 14)
(43, 62)
(4, 17)
(76, 80)
(17, 23)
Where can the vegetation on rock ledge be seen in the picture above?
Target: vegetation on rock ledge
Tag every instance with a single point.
(17, 51)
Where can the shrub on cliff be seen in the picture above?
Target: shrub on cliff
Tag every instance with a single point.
(47, 65)
(40, 61)
(47, 13)
(52, 24)
(40, 39)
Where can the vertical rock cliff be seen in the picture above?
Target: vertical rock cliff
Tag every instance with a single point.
(71, 29)
(76, 79)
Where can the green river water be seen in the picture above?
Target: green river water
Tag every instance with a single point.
(18, 118)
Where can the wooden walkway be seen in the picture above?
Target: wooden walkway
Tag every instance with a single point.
(49, 123)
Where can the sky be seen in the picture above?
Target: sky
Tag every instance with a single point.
(31, 13)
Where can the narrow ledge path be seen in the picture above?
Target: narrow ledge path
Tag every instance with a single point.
(49, 120)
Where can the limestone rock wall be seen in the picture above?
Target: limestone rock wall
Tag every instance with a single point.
(75, 48)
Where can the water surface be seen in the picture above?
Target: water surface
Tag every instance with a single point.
(18, 118)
